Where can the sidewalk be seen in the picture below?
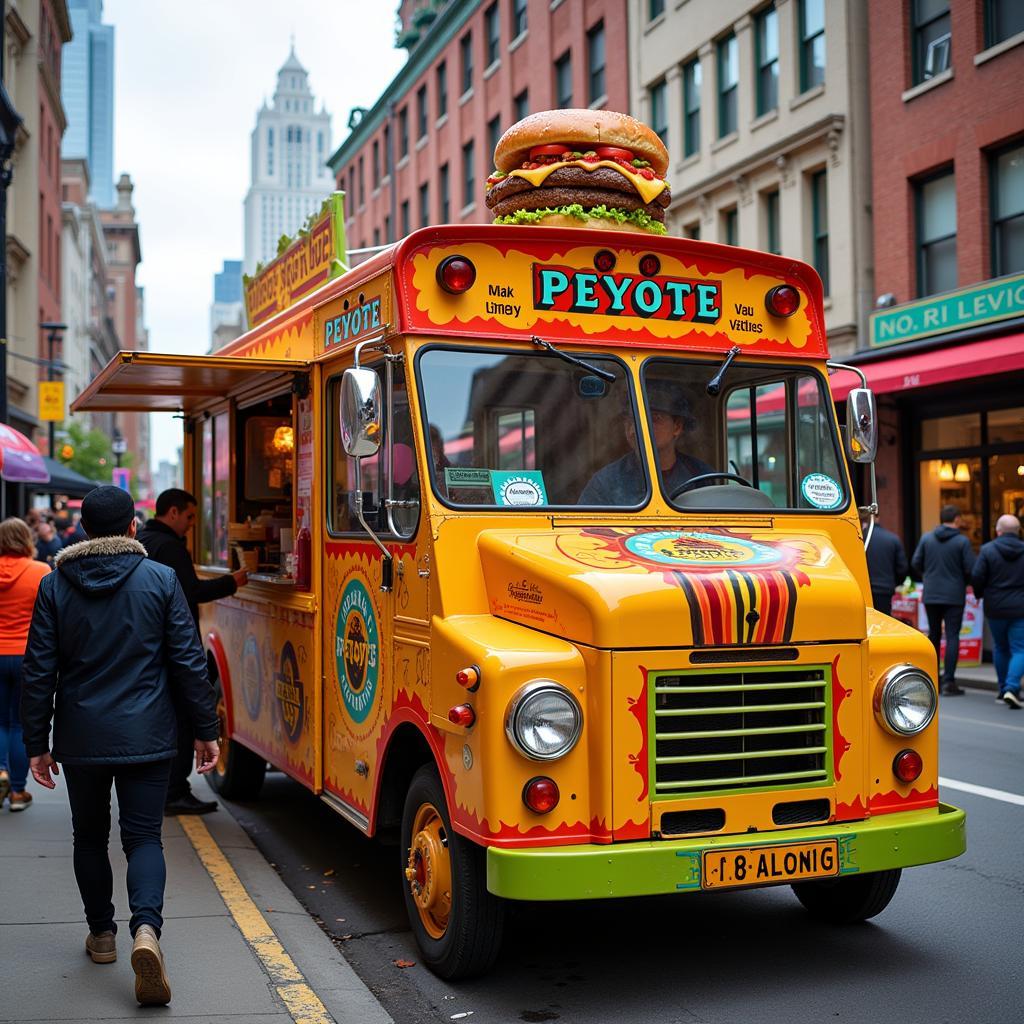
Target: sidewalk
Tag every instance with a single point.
(978, 677)
(217, 974)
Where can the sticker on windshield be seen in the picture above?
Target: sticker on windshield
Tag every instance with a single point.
(522, 488)
(466, 476)
(821, 491)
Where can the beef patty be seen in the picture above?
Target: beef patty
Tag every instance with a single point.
(575, 180)
(552, 198)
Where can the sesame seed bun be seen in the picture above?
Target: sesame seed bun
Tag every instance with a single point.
(583, 129)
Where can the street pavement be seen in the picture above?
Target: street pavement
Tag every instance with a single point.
(224, 965)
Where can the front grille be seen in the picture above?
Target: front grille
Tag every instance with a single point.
(706, 819)
(801, 812)
(740, 729)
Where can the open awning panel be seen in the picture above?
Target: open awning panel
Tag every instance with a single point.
(155, 382)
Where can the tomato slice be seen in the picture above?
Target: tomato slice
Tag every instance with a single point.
(613, 153)
(549, 150)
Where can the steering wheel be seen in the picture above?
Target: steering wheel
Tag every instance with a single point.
(699, 481)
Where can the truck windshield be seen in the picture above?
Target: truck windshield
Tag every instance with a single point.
(767, 439)
(526, 429)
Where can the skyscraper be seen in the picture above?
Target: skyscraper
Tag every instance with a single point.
(87, 91)
(289, 176)
(227, 314)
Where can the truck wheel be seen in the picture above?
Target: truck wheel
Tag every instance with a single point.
(238, 773)
(849, 900)
(456, 921)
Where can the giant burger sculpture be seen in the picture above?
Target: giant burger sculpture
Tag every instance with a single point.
(580, 168)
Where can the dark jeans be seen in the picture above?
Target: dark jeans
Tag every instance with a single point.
(181, 766)
(952, 615)
(882, 601)
(141, 789)
(12, 749)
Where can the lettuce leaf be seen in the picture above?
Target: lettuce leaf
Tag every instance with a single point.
(641, 218)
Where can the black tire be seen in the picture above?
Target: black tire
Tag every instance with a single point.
(849, 900)
(238, 773)
(471, 937)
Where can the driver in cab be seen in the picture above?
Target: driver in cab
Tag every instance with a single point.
(622, 482)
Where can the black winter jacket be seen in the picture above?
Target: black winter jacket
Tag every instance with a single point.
(944, 559)
(165, 546)
(887, 561)
(111, 638)
(999, 577)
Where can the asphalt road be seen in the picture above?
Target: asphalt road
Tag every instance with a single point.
(947, 948)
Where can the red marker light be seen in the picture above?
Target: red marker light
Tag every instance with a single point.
(782, 300)
(604, 260)
(462, 714)
(907, 765)
(649, 265)
(469, 678)
(456, 274)
(540, 794)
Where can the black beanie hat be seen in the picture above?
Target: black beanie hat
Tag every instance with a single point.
(107, 511)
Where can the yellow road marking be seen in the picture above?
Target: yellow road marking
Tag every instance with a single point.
(302, 1002)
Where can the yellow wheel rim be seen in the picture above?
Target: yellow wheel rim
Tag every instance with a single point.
(222, 757)
(429, 870)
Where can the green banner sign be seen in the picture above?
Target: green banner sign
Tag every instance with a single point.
(977, 304)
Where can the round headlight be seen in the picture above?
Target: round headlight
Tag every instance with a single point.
(905, 700)
(544, 720)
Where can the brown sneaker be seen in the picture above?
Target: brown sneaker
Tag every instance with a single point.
(151, 985)
(102, 948)
(19, 801)
(5, 785)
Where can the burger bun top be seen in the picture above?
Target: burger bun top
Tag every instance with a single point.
(583, 129)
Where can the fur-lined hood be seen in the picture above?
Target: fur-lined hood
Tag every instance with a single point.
(101, 565)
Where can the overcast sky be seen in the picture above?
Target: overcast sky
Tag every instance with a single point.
(189, 80)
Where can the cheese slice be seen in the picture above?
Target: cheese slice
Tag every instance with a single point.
(649, 190)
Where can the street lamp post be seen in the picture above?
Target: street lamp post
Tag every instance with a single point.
(118, 446)
(53, 333)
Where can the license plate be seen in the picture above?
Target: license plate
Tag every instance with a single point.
(762, 865)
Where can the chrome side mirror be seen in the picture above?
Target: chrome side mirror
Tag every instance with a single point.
(861, 425)
(360, 413)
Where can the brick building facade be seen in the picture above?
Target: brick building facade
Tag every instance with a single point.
(421, 153)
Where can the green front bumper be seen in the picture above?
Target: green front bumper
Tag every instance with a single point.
(663, 866)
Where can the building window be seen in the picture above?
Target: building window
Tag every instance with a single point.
(655, 9)
(387, 229)
(932, 37)
(424, 204)
(518, 18)
(1003, 18)
(563, 80)
(468, 178)
(728, 86)
(362, 183)
(819, 227)
(595, 63)
(376, 163)
(492, 30)
(442, 89)
(270, 151)
(421, 112)
(352, 182)
(658, 101)
(1007, 200)
(376, 238)
(403, 132)
(691, 107)
(387, 150)
(466, 53)
(493, 133)
(692, 231)
(766, 42)
(936, 234)
(521, 105)
(444, 185)
(812, 44)
(730, 226)
(771, 222)
(404, 215)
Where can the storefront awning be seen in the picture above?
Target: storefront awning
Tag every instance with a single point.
(64, 480)
(20, 460)
(155, 382)
(939, 366)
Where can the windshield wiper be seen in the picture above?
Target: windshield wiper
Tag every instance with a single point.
(715, 384)
(596, 370)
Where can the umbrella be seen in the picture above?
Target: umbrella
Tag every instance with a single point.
(20, 460)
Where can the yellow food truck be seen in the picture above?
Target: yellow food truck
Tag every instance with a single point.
(556, 575)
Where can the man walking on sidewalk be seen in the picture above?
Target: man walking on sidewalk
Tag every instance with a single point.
(111, 641)
(887, 564)
(163, 537)
(999, 577)
(944, 560)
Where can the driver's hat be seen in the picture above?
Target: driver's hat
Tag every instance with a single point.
(665, 396)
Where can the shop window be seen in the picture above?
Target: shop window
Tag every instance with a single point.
(1006, 486)
(691, 107)
(812, 44)
(658, 99)
(766, 42)
(1006, 426)
(936, 232)
(1007, 199)
(728, 86)
(951, 432)
(952, 482)
(932, 38)
(1003, 19)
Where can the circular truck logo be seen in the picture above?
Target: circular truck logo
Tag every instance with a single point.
(357, 649)
(252, 677)
(686, 547)
(288, 689)
(821, 491)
